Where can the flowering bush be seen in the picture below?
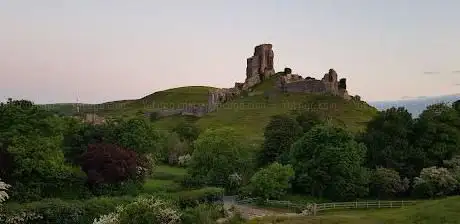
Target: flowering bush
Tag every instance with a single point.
(144, 210)
(184, 160)
(3, 194)
(434, 181)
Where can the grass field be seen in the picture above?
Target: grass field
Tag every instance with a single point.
(165, 179)
(443, 211)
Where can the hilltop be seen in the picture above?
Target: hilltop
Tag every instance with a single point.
(248, 105)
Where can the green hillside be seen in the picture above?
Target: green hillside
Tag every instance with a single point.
(171, 98)
(248, 114)
(444, 211)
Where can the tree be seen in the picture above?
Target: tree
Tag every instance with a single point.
(218, 153)
(79, 135)
(111, 164)
(327, 163)
(187, 131)
(137, 134)
(280, 133)
(30, 150)
(456, 106)
(436, 135)
(308, 119)
(434, 181)
(271, 182)
(388, 141)
(386, 183)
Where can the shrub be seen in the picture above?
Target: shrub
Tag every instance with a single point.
(193, 198)
(434, 181)
(60, 211)
(271, 182)
(184, 160)
(3, 191)
(144, 210)
(110, 164)
(386, 183)
(187, 131)
(203, 214)
(287, 71)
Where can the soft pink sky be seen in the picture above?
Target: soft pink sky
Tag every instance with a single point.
(101, 50)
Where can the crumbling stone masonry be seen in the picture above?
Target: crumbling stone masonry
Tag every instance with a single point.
(327, 85)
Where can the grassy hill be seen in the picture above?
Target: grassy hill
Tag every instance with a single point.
(248, 114)
(444, 211)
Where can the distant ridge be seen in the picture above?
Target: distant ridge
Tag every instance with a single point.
(415, 105)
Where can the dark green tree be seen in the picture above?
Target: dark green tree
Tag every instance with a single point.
(436, 135)
(280, 133)
(139, 135)
(308, 119)
(328, 163)
(388, 141)
(187, 131)
(219, 154)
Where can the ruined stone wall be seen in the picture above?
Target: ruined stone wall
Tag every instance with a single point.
(328, 84)
(306, 86)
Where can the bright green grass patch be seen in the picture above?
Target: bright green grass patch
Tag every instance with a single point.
(164, 172)
(444, 211)
(250, 115)
(152, 186)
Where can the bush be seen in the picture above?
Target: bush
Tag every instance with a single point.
(144, 210)
(193, 198)
(110, 164)
(202, 214)
(187, 131)
(60, 211)
(3, 191)
(271, 182)
(386, 183)
(433, 182)
(287, 71)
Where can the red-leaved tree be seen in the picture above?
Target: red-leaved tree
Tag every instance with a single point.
(108, 164)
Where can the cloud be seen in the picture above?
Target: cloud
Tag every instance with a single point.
(431, 73)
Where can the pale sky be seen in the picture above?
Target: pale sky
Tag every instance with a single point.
(102, 50)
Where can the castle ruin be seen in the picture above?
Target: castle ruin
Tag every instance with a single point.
(260, 67)
(329, 84)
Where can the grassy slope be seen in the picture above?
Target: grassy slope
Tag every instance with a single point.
(248, 115)
(429, 212)
(171, 98)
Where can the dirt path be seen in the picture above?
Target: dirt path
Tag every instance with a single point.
(251, 211)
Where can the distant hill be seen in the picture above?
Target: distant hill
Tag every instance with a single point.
(415, 106)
